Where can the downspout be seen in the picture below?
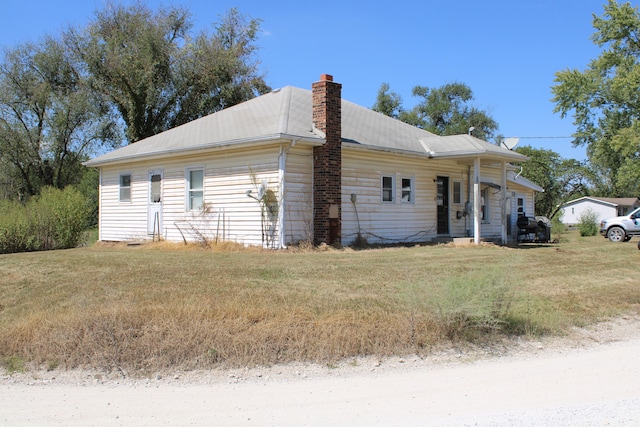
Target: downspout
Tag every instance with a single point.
(100, 205)
(282, 163)
(282, 166)
(476, 201)
(503, 209)
(467, 205)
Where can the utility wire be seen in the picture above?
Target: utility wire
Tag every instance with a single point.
(541, 137)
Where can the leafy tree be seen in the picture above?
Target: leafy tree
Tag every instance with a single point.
(387, 102)
(446, 110)
(605, 101)
(49, 123)
(562, 179)
(157, 75)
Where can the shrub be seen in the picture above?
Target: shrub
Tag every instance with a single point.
(17, 232)
(53, 220)
(558, 228)
(588, 223)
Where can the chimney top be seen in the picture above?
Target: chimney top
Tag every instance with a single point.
(326, 77)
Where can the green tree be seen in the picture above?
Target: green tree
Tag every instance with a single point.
(49, 122)
(387, 102)
(562, 179)
(446, 110)
(605, 101)
(157, 75)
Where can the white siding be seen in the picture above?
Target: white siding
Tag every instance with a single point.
(298, 205)
(406, 222)
(229, 215)
(571, 214)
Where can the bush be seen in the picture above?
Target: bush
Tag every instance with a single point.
(53, 220)
(588, 224)
(558, 228)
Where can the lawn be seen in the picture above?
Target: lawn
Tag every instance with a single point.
(161, 306)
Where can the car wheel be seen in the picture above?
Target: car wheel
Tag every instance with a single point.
(616, 234)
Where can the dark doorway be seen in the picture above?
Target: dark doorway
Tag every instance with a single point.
(443, 204)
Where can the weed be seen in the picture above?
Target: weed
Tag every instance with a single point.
(14, 364)
(162, 306)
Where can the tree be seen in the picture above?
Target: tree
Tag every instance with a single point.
(605, 101)
(157, 75)
(49, 122)
(387, 102)
(562, 179)
(446, 110)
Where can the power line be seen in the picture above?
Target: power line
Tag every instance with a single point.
(542, 137)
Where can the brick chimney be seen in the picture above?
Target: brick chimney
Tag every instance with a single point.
(327, 161)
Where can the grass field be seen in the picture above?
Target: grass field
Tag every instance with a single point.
(153, 307)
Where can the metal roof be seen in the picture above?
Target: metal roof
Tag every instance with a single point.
(287, 114)
(521, 180)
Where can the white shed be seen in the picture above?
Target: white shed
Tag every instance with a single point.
(604, 207)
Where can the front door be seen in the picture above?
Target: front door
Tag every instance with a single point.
(154, 219)
(443, 204)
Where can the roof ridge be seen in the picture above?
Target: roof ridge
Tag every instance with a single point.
(285, 108)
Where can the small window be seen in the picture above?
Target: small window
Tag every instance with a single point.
(484, 204)
(520, 206)
(407, 190)
(125, 188)
(457, 192)
(387, 189)
(195, 189)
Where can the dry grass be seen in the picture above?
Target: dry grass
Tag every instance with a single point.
(162, 306)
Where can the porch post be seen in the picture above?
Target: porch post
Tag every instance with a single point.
(476, 200)
(503, 202)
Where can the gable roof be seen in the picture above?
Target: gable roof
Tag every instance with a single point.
(287, 114)
(608, 201)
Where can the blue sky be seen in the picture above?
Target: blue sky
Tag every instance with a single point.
(507, 51)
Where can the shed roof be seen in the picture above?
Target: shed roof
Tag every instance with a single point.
(287, 114)
(610, 201)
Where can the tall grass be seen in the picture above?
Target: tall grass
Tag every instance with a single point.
(140, 310)
(55, 219)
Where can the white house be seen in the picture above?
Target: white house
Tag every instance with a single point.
(295, 165)
(603, 207)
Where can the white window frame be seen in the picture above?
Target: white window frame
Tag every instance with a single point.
(457, 201)
(124, 187)
(188, 190)
(410, 191)
(485, 209)
(384, 189)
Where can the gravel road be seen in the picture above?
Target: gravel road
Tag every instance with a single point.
(591, 378)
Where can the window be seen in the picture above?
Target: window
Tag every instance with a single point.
(125, 188)
(195, 197)
(388, 189)
(457, 192)
(407, 190)
(520, 201)
(484, 204)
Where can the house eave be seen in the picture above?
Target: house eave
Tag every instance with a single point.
(238, 143)
(459, 155)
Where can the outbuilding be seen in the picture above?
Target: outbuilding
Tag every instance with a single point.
(602, 207)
